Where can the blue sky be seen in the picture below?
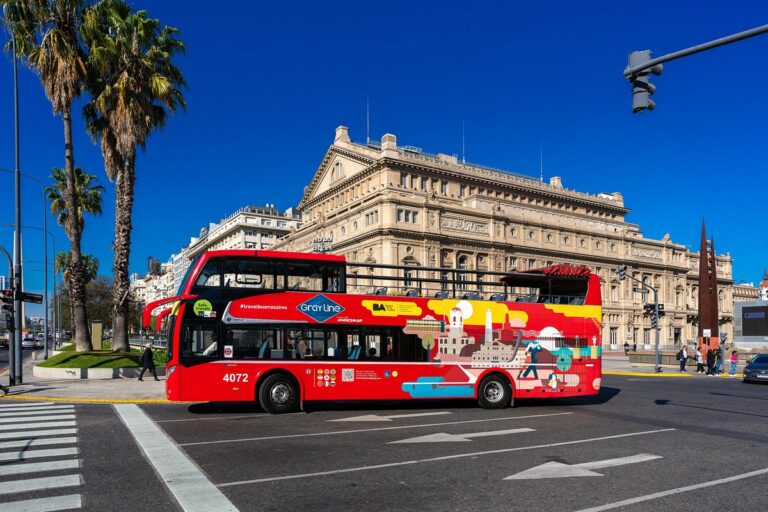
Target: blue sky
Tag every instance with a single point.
(269, 82)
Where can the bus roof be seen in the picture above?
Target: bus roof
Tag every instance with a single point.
(275, 254)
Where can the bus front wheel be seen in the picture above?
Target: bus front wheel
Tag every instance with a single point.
(494, 392)
(279, 393)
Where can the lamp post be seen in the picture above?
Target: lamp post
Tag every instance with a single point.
(17, 304)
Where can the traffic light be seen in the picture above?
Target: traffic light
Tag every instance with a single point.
(6, 309)
(622, 270)
(654, 321)
(6, 299)
(642, 88)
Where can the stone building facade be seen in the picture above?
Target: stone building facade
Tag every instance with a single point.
(389, 204)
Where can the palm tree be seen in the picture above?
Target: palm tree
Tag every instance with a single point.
(89, 199)
(63, 263)
(134, 85)
(46, 35)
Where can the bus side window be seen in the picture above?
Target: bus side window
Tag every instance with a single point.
(210, 276)
(199, 341)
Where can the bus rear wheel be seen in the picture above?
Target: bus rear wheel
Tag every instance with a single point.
(279, 393)
(494, 392)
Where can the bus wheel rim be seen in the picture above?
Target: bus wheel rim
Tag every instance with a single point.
(494, 391)
(280, 394)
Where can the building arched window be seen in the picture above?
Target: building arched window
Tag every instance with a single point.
(462, 264)
(338, 171)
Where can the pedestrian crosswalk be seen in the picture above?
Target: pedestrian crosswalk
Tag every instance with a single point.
(39, 457)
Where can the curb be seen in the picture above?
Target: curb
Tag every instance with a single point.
(645, 374)
(89, 400)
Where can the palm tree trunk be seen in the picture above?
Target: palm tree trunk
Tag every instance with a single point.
(77, 272)
(123, 226)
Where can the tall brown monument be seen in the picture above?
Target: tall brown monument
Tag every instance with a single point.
(709, 335)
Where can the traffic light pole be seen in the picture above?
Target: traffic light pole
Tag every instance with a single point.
(11, 327)
(630, 71)
(657, 359)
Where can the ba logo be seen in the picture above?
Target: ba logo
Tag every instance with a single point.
(379, 307)
(320, 308)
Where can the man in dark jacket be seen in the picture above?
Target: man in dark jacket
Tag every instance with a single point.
(147, 362)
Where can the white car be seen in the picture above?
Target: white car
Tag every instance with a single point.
(28, 342)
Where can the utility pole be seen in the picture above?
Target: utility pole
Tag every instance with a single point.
(641, 64)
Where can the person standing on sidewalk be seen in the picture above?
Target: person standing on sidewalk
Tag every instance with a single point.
(148, 362)
(683, 358)
(734, 363)
(699, 361)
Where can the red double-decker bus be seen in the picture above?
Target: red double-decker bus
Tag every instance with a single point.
(283, 328)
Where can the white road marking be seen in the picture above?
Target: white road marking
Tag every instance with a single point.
(35, 467)
(678, 490)
(36, 484)
(37, 454)
(376, 429)
(443, 458)
(192, 490)
(44, 504)
(31, 411)
(38, 433)
(377, 417)
(4, 413)
(442, 437)
(26, 404)
(25, 426)
(32, 442)
(559, 470)
(58, 416)
(217, 418)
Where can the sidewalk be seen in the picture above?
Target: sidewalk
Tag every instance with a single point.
(91, 391)
(616, 363)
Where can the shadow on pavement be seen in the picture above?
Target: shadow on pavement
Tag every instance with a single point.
(669, 402)
(605, 395)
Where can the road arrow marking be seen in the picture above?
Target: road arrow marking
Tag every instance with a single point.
(376, 417)
(560, 470)
(442, 437)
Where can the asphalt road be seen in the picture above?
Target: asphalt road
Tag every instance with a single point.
(652, 443)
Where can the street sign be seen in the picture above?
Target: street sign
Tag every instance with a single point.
(639, 290)
(32, 298)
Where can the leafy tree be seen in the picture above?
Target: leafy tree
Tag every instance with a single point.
(134, 86)
(46, 35)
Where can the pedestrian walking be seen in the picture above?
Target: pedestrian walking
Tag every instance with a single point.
(4, 389)
(734, 363)
(699, 361)
(711, 363)
(626, 348)
(683, 358)
(148, 362)
(719, 359)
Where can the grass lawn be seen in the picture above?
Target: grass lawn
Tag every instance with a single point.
(100, 359)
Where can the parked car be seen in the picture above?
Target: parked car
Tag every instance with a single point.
(757, 369)
(28, 342)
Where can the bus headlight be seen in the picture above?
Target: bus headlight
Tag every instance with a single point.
(170, 371)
